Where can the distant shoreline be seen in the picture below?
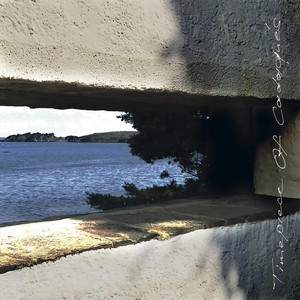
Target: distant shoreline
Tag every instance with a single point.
(104, 137)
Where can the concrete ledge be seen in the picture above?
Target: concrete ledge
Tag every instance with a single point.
(64, 95)
(33, 243)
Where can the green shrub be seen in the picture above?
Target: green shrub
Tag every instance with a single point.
(164, 174)
(104, 201)
(130, 189)
(135, 196)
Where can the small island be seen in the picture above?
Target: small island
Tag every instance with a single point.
(105, 137)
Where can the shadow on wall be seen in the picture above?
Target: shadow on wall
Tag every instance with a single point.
(222, 49)
(230, 154)
(232, 262)
(290, 20)
(226, 47)
(224, 263)
(251, 247)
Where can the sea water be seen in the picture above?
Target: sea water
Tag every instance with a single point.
(39, 180)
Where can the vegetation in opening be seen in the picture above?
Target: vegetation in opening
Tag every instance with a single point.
(180, 137)
(135, 196)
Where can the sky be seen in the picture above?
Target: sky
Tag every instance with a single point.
(14, 120)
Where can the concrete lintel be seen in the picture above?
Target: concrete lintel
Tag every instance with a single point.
(217, 49)
(64, 95)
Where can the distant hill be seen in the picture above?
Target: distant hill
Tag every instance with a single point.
(105, 137)
(33, 137)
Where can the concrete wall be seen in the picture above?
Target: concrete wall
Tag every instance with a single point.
(219, 48)
(107, 43)
(232, 262)
(279, 166)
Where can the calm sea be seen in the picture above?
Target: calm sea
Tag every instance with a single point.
(39, 180)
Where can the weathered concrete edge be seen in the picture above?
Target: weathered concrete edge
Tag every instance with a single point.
(66, 95)
(8, 268)
(150, 236)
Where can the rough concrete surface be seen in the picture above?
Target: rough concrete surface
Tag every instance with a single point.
(32, 243)
(219, 48)
(220, 263)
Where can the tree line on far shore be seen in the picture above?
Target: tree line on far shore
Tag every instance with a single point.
(105, 137)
